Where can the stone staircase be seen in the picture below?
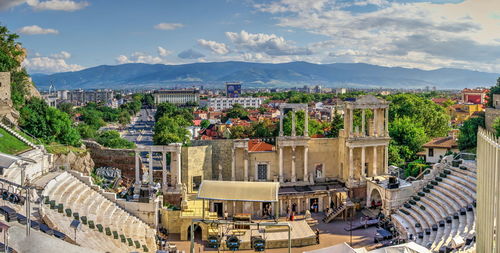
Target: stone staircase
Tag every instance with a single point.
(114, 228)
(444, 208)
(335, 213)
(17, 135)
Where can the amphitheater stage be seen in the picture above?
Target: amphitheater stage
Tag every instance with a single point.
(276, 237)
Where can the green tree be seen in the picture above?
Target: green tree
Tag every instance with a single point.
(314, 127)
(11, 55)
(66, 107)
(496, 126)
(448, 103)
(171, 130)
(429, 115)
(239, 132)
(408, 136)
(112, 139)
(336, 125)
(264, 128)
(467, 137)
(415, 168)
(204, 123)
(148, 100)
(47, 123)
(237, 112)
(493, 90)
(86, 131)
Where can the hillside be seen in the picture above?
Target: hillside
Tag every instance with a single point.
(139, 75)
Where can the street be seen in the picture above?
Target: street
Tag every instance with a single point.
(140, 130)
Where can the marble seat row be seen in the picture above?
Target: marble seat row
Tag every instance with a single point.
(80, 198)
(442, 212)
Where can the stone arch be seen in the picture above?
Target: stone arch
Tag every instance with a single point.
(198, 232)
(375, 199)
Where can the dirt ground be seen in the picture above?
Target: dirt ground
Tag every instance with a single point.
(330, 234)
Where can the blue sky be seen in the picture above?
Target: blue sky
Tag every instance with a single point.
(68, 35)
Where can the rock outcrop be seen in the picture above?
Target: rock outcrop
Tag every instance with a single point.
(80, 162)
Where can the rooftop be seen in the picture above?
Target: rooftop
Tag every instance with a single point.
(441, 142)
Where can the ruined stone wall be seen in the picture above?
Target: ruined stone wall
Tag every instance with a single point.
(196, 161)
(221, 155)
(491, 115)
(79, 162)
(123, 159)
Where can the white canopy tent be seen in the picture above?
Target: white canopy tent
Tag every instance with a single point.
(410, 247)
(239, 191)
(339, 248)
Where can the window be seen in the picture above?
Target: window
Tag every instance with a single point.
(319, 170)
(262, 172)
(431, 152)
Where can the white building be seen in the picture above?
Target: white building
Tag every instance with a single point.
(224, 103)
(178, 97)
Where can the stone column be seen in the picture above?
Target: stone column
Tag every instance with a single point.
(375, 125)
(245, 165)
(164, 171)
(179, 168)
(281, 207)
(306, 154)
(386, 121)
(363, 123)
(293, 164)
(150, 167)
(281, 121)
(351, 164)
(363, 170)
(293, 123)
(281, 164)
(137, 173)
(306, 121)
(374, 173)
(233, 165)
(350, 121)
(386, 159)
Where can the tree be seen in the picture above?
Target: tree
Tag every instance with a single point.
(408, 136)
(496, 126)
(428, 114)
(47, 123)
(205, 123)
(415, 168)
(112, 139)
(237, 112)
(264, 128)
(148, 100)
(448, 103)
(336, 125)
(171, 130)
(493, 90)
(239, 132)
(467, 137)
(86, 131)
(314, 127)
(11, 56)
(66, 107)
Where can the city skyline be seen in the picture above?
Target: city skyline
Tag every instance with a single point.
(72, 35)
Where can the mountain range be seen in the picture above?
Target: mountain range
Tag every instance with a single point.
(214, 74)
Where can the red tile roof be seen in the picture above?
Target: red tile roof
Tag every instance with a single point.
(441, 142)
(259, 146)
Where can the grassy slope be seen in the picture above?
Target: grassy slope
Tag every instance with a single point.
(10, 144)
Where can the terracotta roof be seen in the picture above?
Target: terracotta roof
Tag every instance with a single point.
(259, 146)
(475, 90)
(441, 142)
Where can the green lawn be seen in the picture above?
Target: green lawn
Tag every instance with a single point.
(10, 144)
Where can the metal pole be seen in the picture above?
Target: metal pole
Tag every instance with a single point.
(28, 212)
(289, 239)
(192, 237)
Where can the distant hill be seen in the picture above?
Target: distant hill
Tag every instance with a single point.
(139, 75)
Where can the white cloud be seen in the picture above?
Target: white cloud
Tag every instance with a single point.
(168, 26)
(418, 34)
(190, 54)
(270, 44)
(7, 4)
(141, 57)
(50, 64)
(216, 47)
(57, 5)
(163, 52)
(34, 29)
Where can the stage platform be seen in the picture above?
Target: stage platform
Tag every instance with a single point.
(301, 234)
